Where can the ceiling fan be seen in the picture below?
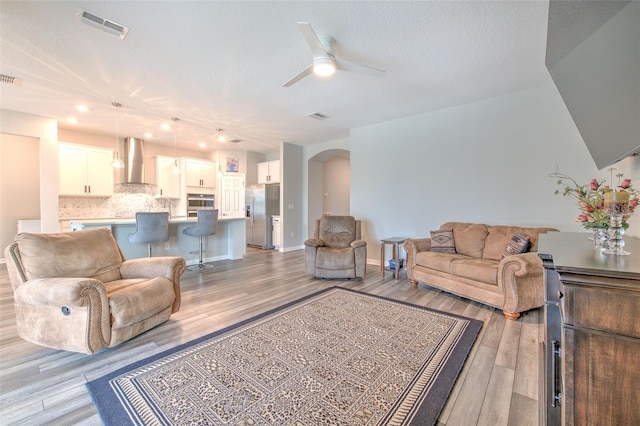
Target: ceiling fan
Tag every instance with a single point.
(324, 60)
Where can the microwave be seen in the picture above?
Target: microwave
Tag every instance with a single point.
(197, 202)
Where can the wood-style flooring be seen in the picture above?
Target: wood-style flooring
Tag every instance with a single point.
(498, 385)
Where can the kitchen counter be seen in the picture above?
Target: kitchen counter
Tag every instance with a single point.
(229, 241)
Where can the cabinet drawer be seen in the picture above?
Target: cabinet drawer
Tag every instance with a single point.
(602, 308)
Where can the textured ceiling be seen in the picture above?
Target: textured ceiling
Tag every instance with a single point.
(221, 64)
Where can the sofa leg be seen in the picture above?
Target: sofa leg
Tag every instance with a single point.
(511, 315)
(413, 282)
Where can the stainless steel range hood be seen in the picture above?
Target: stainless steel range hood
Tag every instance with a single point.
(134, 160)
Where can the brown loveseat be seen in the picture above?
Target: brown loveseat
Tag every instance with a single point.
(477, 269)
(74, 291)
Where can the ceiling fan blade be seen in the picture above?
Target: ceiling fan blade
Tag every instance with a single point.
(302, 74)
(362, 69)
(312, 39)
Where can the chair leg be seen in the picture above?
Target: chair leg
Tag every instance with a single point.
(149, 249)
(201, 265)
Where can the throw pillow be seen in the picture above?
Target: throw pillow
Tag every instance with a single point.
(518, 244)
(442, 241)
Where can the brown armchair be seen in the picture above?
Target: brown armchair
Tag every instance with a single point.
(75, 291)
(336, 249)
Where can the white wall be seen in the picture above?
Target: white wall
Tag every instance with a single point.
(336, 186)
(486, 162)
(46, 131)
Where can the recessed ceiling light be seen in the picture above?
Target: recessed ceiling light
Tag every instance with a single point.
(165, 127)
(148, 135)
(82, 108)
(72, 120)
(202, 145)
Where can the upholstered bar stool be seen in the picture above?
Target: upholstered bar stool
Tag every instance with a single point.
(151, 227)
(206, 225)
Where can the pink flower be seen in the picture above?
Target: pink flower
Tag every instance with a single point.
(581, 218)
(633, 202)
(625, 184)
(590, 209)
(594, 185)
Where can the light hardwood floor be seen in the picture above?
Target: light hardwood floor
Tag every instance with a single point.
(498, 385)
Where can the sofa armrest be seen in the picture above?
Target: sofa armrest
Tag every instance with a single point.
(314, 242)
(358, 243)
(151, 267)
(64, 313)
(69, 292)
(412, 247)
(520, 278)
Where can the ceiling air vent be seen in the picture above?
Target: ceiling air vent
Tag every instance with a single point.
(235, 140)
(317, 116)
(7, 79)
(103, 24)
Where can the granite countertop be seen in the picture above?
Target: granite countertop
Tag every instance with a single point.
(131, 220)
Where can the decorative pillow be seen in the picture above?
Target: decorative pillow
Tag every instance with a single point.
(519, 244)
(442, 241)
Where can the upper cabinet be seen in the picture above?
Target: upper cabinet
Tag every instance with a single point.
(199, 173)
(167, 180)
(269, 172)
(231, 196)
(85, 170)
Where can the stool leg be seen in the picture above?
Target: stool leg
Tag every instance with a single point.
(149, 249)
(200, 264)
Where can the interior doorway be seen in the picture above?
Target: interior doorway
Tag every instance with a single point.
(329, 185)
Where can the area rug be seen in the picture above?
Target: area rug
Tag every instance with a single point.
(336, 357)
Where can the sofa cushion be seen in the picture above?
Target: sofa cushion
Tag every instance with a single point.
(136, 299)
(476, 269)
(518, 244)
(499, 237)
(442, 241)
(438, 261)
(92, 253)
(469, 237)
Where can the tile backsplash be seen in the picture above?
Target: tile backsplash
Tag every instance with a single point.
(127, 200)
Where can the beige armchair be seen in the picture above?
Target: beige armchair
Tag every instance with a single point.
(336, 250)
(75, 291)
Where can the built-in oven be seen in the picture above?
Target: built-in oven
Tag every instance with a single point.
(197, 202)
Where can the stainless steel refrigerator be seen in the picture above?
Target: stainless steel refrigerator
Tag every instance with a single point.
(262, 201)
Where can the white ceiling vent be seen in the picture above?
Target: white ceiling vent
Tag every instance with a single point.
(235, 140)
(7, 79)
(103, 24)
(318, 116)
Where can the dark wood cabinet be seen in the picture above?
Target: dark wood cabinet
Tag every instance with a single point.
(591, 349)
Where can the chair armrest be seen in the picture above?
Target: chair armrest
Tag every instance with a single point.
(358, 243)
(151, 267)
(69, 292)
(314, 242)
(521, 280)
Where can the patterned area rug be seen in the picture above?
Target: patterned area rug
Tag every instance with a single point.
(337, 357)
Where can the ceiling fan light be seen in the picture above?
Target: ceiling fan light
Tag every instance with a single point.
(324, 67)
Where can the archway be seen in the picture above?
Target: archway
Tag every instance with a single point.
(328, 185)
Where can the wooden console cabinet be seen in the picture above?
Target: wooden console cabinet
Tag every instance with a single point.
(591, 350)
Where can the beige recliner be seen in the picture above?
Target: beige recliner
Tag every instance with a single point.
(75, 291)
(336, 249)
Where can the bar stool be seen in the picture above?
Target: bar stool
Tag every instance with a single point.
(150, 228)
(206, 225)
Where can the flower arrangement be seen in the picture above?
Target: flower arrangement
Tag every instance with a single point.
(590, 198)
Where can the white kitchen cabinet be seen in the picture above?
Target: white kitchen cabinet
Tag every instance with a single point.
(269, 172)
(167, 181)
(231, 196)
(85, 170)
(199, 173)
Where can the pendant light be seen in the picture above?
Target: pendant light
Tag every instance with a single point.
(176, 167)
(220, 138)
(117, 162)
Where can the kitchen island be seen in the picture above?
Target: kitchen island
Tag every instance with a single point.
(229, 241)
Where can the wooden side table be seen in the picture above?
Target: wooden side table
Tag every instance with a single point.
(395, 242)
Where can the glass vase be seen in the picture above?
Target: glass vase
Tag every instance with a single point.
(600, 237)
